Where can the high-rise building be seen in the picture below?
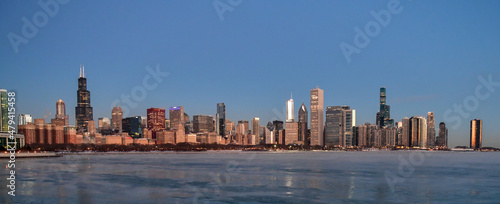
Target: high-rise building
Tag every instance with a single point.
(61, 118)
(442, 139)
(220, 120)
(25, 119)
(384, 115)
(338, 126)
(277, 126)
(349, 121)
(117, 119)
(418, 131)
(256, 129)
(203, 123)
(4, 108)
(291, 132)
(333, 126)
(289, 111)
(399, 133)
(132, 126)
(230, 127)
(245, 125)
(270, 133)
(104, 126)
(303, 125)
(431, 130)
(476, 134)
(156, 120)
(176, 117)
(317, 113)
(406, 133)
(365, 135)
(83, 110)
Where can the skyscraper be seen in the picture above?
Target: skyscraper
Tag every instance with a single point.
(221, 120)
(333, 126)
(442, 139)
(203, 123)
(256, 129)
(418, 131)
(406, 133)
(270, 133)
(349, 121)
(291, 132)
(317, 113)
(61, 112)
(104, 126)
(303, 125)
(431, 130)
(278, 127)
(338, 128)
(156, 120)
(289, 111)
(384, 115)
(117, 119)
(176, 117)
(246, 126)
(132, 126)
(83, 110)
(476, 133)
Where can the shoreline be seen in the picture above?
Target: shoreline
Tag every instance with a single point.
(48, 154)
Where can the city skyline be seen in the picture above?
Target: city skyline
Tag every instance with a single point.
(439, 68)
(422, 139)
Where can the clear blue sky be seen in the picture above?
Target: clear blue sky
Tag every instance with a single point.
(429, 57)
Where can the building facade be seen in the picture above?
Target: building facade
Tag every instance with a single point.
(317, 113)
(203, 123)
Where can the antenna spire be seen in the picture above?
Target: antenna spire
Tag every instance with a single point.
(83, 72)
(80, 70)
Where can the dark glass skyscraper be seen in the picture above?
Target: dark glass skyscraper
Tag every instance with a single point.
(384, 114)
(303, 124)
(333, 126)
(132, 126)
(221, 120)
(442, 139)
(338, 126)
(83, 110)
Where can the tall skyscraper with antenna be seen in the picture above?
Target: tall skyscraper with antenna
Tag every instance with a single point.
(289, 110)
(83, 110)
